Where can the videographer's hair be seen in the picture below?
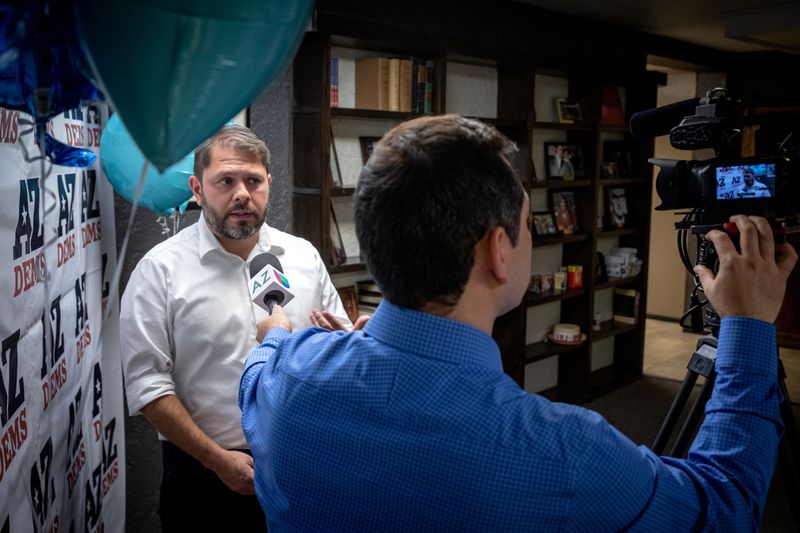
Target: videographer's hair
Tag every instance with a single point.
(239, 139)
(430, 191)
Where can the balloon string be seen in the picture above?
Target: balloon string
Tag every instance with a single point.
(124, 248)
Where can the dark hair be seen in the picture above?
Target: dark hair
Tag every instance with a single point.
(430, 191)
(238, 138)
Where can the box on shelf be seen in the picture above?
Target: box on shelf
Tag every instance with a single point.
(626, 306)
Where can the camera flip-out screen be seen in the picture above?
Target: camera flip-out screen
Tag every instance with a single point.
(742, 182)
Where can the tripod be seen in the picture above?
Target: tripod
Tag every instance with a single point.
(701, 363)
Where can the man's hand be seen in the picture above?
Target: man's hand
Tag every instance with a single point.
(235, 469)
(277, 319)
(751, 283)
(326, 320)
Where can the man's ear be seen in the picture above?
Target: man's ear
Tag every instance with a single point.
(195, 185)
(498, 246)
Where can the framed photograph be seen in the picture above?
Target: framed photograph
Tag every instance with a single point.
(543, 223)
(617, 207)
(349, 298)
(568, 111)
(610, 170)
(338, 255)
(563, 203)
(336, 170)
(624, 156)
(563, 161)
(367, 145)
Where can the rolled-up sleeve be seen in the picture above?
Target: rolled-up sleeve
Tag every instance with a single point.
(147, 360)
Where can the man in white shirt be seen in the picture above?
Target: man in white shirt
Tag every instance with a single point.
(752, 188)
(187, 324)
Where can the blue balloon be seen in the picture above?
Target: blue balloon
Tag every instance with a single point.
(177, 70)
(40, 55)
(122, 162)
(66, 155)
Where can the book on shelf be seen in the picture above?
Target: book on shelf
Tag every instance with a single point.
(394, 84)
(403, 84)
(369, 299)
(428, 107)
(420, 78)
(368, 287)
(334, 75)
(626, 306)
(406, 85)
(372, 83)
(369, 296)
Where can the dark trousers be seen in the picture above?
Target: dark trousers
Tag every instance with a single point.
(193, 498)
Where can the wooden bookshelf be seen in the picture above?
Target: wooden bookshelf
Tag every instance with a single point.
(516, 115)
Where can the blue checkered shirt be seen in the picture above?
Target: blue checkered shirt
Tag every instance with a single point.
(411, 425)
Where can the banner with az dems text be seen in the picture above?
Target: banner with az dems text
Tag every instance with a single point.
(61, 412)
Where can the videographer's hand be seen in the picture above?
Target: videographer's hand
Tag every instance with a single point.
(752, 282)
(277, 319)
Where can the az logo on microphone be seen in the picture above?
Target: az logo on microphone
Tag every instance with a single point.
(271, 284)
(282, 279)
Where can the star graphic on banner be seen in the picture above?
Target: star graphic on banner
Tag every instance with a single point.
(36, 499)
(98, 388)
(24, 212)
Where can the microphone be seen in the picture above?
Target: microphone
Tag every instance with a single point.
(659, 121)
(268, 286)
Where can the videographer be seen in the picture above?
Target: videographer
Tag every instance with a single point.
(412, 425)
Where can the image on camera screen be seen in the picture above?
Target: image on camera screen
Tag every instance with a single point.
(742, 182)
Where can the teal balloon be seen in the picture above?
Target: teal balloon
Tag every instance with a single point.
(176, 71)
(122, 162)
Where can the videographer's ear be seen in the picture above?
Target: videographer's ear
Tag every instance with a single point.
(498, 246)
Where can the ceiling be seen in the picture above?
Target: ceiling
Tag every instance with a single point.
(728, 25)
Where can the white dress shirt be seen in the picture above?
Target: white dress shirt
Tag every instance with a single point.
(187, 322)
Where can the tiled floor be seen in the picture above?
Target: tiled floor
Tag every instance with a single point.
(667, 349)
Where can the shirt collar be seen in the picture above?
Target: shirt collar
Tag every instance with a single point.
(433, 336)
(208, 242)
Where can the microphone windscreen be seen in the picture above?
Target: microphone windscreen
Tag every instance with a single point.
(659, 121)
(262, 260)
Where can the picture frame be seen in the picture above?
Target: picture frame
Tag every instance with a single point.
(367, 145)
(337, 254)
(563, 161)
(624, 156)
(543, 224)
(568, 111)
(564, 212)
(349, 297)
(610, 170)
(336, 171)
(617, 207)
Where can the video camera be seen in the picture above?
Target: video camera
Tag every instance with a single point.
(767, 185)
